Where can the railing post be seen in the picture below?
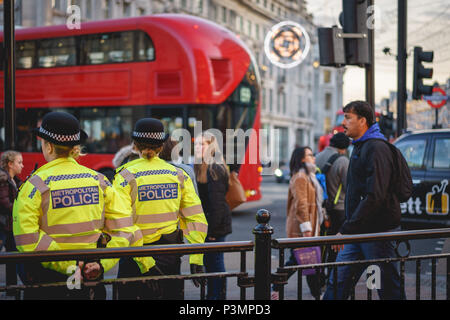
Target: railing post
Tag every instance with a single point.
(263, 236)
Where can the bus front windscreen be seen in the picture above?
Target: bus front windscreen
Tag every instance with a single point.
(237, 112)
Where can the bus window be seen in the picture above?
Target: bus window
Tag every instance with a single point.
(108, 48)
(145, 48)
(109, 129)
(26, 121)
(203, 114)
(172, 118)
(59, 52)
(224, 117)
(25, 54)
(339, 119)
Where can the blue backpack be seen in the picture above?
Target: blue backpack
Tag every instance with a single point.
(323, 183)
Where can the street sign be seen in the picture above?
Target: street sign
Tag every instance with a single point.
(438, 100)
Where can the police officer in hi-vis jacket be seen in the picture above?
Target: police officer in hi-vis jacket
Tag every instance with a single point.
(66, 206)
(165, 207)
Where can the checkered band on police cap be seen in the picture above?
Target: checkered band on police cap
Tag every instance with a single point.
(60, 137)
(61, 128)
(149, 135)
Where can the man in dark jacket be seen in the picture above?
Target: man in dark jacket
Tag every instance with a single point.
(370, 205)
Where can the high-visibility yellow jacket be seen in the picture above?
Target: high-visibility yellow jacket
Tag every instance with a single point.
(163, 199)
(66, 206)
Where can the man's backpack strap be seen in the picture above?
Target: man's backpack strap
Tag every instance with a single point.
(336, 199)
(330, 162)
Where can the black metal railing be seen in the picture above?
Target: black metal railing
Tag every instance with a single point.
(105, 253)
(262, 247)
(399, 237)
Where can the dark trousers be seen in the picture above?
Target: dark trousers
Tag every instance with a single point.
(214, 262)
(157, 289)
(347, 276)
(35, 273)
(7, 239)
(314, 280)
(337, 218)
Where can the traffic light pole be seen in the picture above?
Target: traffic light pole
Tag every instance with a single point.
(9, 72)
(370, 68)
(401, 67)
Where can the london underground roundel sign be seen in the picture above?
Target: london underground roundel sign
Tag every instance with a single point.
(287, 44)
(437, 101)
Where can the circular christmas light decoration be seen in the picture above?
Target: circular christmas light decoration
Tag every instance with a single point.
(287, 44)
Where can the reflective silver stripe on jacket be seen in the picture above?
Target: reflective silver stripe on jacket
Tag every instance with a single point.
(112, 224)
(195, 226)
(27, 238)
(190, 211)
(130, 179)
(156, 218)
(44, 244)
(90, 238)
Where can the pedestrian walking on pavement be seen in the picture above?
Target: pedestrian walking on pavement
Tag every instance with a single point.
(66, 206)
(165, 207)
(370, 205)
(212, 180)
(333, 162)
(304, 208)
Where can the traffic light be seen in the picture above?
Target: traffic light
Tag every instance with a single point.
(331, 47)
(386, 124)
(349, 45)
(420, 72)
(354, 21)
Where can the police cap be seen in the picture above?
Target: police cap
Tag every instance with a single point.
(149, 130)
(61, 128)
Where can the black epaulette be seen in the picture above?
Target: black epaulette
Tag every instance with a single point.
(119, 169)
(27, 178)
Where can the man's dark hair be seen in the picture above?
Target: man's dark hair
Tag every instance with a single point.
(362, 109)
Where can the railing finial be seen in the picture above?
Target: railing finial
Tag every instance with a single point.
(263, 218)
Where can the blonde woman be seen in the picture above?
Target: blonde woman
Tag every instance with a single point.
(66, 206)
(212, 182)
(11, 165)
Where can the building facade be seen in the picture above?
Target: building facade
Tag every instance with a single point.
(300, 102)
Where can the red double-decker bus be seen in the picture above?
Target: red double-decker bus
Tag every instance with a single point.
(177, 68)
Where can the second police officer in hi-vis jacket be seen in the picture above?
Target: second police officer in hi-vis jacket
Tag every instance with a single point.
(66, 206)
(165, 206)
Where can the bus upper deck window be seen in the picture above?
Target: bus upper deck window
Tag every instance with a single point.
(25, 54)
(58, 52)
(108, 48)
(145, 48)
